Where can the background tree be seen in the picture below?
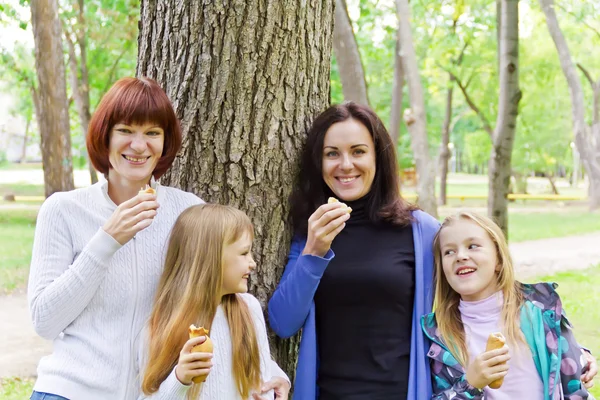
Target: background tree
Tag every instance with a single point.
(587, 139)
(415, 117)
(246, 88)
(508, 110)
(54, 113)
(346, 52)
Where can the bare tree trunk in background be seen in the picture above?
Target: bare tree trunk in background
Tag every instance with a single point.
(246, 81)
(397, 93)
(415, 117)
(54, 113)
(445, 153)
(586, 139)
(499, 171)
(80, 84)
(24, 148)
(345, 48)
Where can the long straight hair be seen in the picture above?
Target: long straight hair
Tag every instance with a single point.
(447, 299)
(189, 292)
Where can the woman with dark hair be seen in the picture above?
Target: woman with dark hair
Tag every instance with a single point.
(98, 251)
(359, 272)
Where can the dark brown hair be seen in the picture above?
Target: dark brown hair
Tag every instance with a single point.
(133, 101)
(384, 202)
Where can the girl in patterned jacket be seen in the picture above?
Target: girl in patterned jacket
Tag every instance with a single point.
(476, 295)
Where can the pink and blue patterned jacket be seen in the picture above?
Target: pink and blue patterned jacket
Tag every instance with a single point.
(557, 356)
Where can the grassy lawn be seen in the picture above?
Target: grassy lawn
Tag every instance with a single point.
(532, 226)
(21, 189)
(580, 297)
(16, 388)
(16, 239)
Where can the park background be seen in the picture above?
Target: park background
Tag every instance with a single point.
(513, 133)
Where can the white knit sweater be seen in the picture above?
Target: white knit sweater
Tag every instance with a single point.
(220, 384)
(92, 296)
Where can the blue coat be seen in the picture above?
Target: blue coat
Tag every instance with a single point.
(292, 307)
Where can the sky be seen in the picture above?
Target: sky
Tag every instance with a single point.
(10, 31)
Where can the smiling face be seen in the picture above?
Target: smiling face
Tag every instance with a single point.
(469, 259)
(238, 264)
(134, 151)
(348, 160)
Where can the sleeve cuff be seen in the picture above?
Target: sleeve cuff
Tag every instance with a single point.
(102, 246)
(276, 371)
(316, 265)
(172, 388)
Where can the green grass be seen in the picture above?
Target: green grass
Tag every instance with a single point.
(16, 240)
(532, 226)
(580, 297)
(16, 388)
(18, 166)
(21, 189)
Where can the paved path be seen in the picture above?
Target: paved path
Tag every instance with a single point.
(21, 348)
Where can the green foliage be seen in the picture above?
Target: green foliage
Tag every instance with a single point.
(16, 388)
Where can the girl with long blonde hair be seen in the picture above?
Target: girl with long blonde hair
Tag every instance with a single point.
(476, 294)
(204, 282)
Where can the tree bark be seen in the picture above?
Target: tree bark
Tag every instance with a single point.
(54, 112)
(397, 93)
(345, 48)
(415, 117)
(499, 170)
(246, 80)
(587, 146)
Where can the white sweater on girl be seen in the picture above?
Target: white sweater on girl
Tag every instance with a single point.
(92, 296)
(220, 383)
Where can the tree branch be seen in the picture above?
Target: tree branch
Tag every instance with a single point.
(586, 73)
(572, 14)
(486, 124)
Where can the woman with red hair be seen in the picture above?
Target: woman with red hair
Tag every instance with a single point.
(98, 251)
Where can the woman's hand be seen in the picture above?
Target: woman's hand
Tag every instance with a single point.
(323, 226)
(592, 369)
(131, 216)
(190, 364)
(487, 367)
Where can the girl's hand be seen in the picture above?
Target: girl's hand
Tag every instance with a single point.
(190, 364)
(592, 369)
(323, 226)
(487, 367)
(131, 216)
(279, 385)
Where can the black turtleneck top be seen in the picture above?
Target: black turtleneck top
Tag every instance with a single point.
(364, 306)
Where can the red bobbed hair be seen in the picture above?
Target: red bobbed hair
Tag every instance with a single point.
(133, 101)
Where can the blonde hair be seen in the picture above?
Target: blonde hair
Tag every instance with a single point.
(189, 292)
(447, 300)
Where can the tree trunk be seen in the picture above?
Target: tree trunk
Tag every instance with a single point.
(24, 148)
(54, 112)
(397, 93)
(81, 94)
(84, 84)
(246, 81)
(552, 184)
(348, 58)
(445, 153)
(588, 148)
(499, 170)
(415, 117)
